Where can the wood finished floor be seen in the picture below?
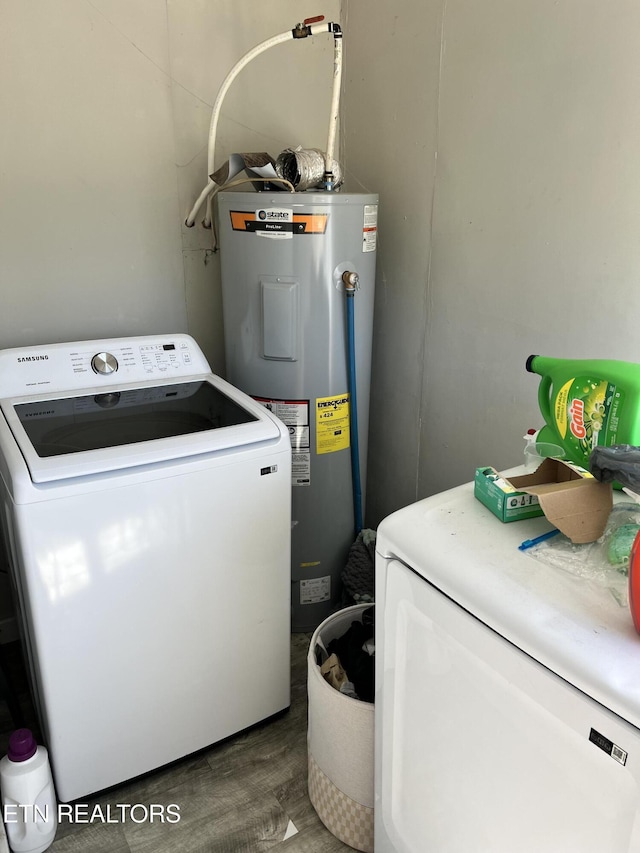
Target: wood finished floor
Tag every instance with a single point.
(238, 797)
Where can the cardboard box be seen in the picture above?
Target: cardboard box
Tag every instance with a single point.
(569, 497)
(502, 498)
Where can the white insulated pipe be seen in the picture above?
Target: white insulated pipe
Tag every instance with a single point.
(334, 111)
(313, 29)
(213, 126)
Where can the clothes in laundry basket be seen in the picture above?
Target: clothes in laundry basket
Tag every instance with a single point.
(333, 673)
(353, 650)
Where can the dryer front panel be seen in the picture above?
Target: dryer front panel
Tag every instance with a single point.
(480, 747)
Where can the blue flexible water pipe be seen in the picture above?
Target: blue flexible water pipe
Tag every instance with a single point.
(353, 407)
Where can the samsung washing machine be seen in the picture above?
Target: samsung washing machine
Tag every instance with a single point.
(507, 708)
(146, 512)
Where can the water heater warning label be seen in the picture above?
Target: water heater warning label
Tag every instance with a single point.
(294, 414)
(332, 423)
(370, 228)
(315, 590)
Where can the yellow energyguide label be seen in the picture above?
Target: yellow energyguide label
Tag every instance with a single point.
(332, 423)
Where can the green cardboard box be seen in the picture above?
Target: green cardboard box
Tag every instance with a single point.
(567, 495)
(503, 499)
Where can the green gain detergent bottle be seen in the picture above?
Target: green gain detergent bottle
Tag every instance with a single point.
(587, 403)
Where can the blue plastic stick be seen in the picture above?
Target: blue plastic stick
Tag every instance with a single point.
(529, 543)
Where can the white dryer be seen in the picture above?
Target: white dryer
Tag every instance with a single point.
(146, 509)
(507, 693)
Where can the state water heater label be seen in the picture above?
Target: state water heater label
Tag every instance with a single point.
(370, 228)
(315, 590)
(332, 423)
(274, 222)
(294, 414)
(278, 223)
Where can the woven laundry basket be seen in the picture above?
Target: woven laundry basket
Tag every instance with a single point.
(340, 746)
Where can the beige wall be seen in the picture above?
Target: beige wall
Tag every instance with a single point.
(89, 240)
(105, 114)
(502, 137)
(390, 106)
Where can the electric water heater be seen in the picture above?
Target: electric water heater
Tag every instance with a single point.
(283, 258)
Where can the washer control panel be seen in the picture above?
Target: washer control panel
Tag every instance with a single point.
(86, 364)
(144, 360)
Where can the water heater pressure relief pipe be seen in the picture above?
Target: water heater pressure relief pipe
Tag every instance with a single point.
(329, 177)
(351, 282)
(310, 27)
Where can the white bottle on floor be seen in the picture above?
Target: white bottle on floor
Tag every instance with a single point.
(28, 798)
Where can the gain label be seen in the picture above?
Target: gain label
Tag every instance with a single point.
(587, 413)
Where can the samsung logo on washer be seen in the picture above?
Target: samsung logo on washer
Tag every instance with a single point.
(33, 358)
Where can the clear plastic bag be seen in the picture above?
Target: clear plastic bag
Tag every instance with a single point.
(604, 562)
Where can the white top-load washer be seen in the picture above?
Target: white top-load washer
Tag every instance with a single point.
(146, 510)
(507, 692)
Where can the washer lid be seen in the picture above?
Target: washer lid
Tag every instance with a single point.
(123, 426)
